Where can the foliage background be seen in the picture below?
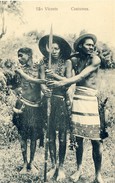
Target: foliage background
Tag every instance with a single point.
(10, 153)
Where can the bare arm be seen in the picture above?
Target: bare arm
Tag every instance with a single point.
(69, 73)
(68, 70)
(44, 88)
(51, 74)
(31, 79)
(86, 72)
(42, 76)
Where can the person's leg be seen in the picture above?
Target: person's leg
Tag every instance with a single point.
(23, 143)
(62, 147)
(79, 155)
(52, 150)
(62, 152)
(97, 158)
(41, 140)
(32, 153)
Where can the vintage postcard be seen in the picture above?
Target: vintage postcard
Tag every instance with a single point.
(49, 133)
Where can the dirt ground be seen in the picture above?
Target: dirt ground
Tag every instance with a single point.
(11, 158)
(11, 162)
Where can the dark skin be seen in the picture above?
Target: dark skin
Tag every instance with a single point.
(48, 92)
(30, 79)
(31, 94)
(88, 74)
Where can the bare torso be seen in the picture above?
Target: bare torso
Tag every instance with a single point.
(89, 81)
(29, 90)
(58, 68)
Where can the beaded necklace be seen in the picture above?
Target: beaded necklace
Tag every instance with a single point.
(31, 71)
(59, 69)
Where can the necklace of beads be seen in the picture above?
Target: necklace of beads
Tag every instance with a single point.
(59, 69)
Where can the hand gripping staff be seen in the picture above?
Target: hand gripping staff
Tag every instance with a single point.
(48, 112)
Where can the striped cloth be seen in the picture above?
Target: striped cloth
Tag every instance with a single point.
(85, 115)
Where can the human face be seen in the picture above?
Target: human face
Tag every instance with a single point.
(88, 46)
(55, 51)
(23, 58)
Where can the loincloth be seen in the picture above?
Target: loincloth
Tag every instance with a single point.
(85, 115)
(29, 122)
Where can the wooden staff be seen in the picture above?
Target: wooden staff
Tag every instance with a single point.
(48, 112)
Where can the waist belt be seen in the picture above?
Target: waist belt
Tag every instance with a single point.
(28, 102)
(59, 96)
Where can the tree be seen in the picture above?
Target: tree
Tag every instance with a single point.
(71, 39)
(9, 7)
(106, 54)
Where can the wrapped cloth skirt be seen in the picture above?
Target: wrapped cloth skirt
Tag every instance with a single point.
(85, 114)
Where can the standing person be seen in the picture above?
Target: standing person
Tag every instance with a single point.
(27, 110)
(60, 68)
(85, 114)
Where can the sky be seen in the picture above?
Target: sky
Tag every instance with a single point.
(67, 17)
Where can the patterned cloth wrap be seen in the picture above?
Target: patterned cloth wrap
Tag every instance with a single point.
(85, 114)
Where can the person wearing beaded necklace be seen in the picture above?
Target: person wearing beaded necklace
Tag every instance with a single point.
(86, 117)
(27, 111)
(60, 68)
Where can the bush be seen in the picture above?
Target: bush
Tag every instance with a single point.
(106, 55)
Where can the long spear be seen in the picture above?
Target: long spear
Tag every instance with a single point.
(48, 111)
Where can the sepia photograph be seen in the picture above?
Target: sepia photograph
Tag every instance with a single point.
(57, 91)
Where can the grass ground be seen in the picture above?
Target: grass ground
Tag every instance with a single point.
(11, 158)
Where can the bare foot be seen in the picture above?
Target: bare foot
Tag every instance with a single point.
(61, 175)
(32, 169)
(51, 173)
(75, 177)
(98, 179)
(24, 169)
